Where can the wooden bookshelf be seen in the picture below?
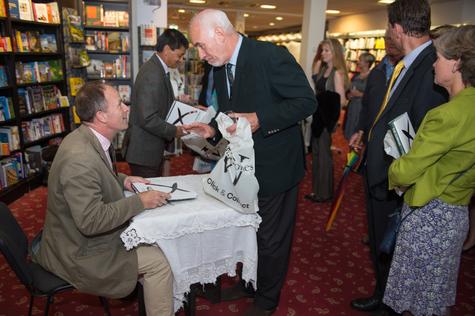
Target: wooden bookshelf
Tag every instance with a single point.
(11, 26)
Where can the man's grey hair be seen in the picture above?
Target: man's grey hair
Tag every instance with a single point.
(209, 19)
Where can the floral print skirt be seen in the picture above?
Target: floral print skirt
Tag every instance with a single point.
(426, 260)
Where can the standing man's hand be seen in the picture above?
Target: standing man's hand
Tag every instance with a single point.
(201, 129)
(356, 141)
(131, 179)
(180, 131)
(251, 117)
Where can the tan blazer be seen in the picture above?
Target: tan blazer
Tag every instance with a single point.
(86, 213)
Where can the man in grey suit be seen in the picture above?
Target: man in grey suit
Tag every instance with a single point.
(87, 211)
(152, 95)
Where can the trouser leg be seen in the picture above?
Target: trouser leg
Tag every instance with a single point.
(323, 166)
(274, 240)
(157, 281)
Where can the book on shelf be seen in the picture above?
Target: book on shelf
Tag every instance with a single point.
(51, 95)
(25, 10)
(123, 18)
(124, 92)
(3, 10)
(24, 104)
(109, 70)
(75, 83)
(93, 14)
(6, 108)
(42, 71)
(53, 12)
(95, 68)
(35, 94)
(114, 42)
(74, 25)
(13, 9)
(110, 18)
(21, 42)
(90, 41)
(3, 76)
(33, 160)
(10, 136)
(40, 11)
(78, 57)
(5, 43)
(33, 41)
(48, 43)
(148, 35)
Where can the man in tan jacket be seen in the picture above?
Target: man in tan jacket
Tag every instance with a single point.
(87, 211)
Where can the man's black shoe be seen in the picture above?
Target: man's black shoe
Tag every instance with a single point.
(236, 292)
(255, 310)
(366, 304)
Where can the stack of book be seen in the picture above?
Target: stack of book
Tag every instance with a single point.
(32, 11)
(37, 99)
(42, 127)
(11, 170)
(96, 16)
(39, 71)
(33, 41)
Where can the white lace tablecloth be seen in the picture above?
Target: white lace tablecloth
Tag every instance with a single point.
(201, 238)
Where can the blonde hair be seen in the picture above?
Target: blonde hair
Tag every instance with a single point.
(338, 59)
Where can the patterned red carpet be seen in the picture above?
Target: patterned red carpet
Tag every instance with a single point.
(326, 270)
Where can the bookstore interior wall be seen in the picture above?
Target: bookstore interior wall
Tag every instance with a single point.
(34, 108)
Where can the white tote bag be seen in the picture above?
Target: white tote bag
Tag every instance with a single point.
(232, 180)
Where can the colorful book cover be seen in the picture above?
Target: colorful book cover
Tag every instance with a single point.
(93, 14)
(26, 10)
(53, 13)
(110, 19)
(3, 11)
(48, 43)
(13, 9)
(114, 42)
(41, 12)
(56, 70)
(34, 41)
(75, 83)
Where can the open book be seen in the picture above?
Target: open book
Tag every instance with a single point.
(177, 190)
(181, 113)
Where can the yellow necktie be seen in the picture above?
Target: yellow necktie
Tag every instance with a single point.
(395, 75)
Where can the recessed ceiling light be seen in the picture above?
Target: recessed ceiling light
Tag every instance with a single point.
(386, 1)
(246, 15)
(181, 11)
(267, 6)
(198, 1)
(279, 18)
(332, 11)
(271, 23)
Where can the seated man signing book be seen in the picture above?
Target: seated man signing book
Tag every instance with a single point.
(87, 211)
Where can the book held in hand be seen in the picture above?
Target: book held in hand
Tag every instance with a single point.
(177, 190)
(399, 137)
(181, 113)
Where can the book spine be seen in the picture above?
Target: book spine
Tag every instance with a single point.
(400, 147)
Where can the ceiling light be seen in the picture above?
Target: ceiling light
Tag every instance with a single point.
(271, 23)
(279, 18)
(386, 1)
(246, 15)
(267, 6)
(198, 1)
(332, 11)
(181, 11)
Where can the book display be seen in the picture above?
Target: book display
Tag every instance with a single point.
(361, 42)
(33, 112)
(108, 43)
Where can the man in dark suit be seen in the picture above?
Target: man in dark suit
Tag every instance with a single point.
(264, 84)
(152, 95)
(414, 92)
(87, 211)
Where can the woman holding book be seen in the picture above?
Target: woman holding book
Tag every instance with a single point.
(439, 175)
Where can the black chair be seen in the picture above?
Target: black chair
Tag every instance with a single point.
(38, 281)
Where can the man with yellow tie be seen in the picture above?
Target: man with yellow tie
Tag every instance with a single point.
(412, 90)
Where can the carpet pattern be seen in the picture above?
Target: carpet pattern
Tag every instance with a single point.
(326, 270)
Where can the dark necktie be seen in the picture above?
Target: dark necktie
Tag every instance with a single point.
(229, 74)
(113, 158)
